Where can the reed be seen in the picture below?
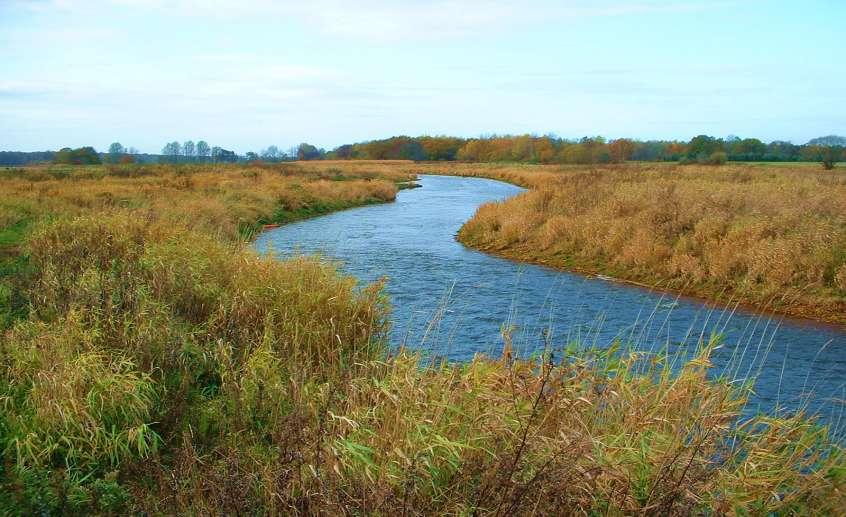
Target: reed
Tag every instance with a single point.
(773, 238)
(164, 367)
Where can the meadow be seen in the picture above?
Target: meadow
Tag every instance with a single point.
(150, 361)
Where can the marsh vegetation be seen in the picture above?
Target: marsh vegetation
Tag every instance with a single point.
(151, 361)
(768, 237)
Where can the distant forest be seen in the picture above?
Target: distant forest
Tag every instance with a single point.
(701, 149)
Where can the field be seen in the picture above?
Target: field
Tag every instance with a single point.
(151, 362)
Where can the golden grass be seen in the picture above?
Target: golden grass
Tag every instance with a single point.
(219, 199)
(165, 368)
(769, 237)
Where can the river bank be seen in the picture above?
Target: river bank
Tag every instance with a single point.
(767, 239)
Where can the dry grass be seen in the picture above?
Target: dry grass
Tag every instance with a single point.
(220, 199)
(769, 237)
(166, 368)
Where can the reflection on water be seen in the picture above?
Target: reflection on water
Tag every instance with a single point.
(453, 301)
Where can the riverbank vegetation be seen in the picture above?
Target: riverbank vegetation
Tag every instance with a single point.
(769, 237)
(152, 362)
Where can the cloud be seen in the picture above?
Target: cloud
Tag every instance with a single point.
(382, 20)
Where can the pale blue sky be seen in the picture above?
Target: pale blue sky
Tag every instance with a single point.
(246, 74)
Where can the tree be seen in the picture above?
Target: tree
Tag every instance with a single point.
(545, 150)
(252, 157)
(621, 150)
(747, 150)
(172, 151)
(344, 152)
(410, 150)
(780, 151)
(116, 151)
(81, 156)
(441, 147)
(701, 148)
(308, 152)
(203, 150)
(830, 140)
(271, 153)
(830, 154)
(222, 155)
(188, 149)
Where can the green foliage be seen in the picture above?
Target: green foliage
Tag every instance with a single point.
(308, 152)
(79, 156)
(830, 156)
(718, 158)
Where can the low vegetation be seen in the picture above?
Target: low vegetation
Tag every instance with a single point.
(769, 237)
(153, 363)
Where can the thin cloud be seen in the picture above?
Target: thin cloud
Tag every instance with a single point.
(382, 20)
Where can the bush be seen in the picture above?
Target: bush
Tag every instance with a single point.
(829, 157)
(718, 158)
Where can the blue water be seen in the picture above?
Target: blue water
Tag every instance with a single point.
(452, 301)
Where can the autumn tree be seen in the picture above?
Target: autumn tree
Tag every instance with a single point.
(621, 150)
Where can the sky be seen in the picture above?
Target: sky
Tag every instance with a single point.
(246, 74)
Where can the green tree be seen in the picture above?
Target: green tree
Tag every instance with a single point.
(830, 155)
(701, 147)
(116, 152)
(80, 156)
(308, 152)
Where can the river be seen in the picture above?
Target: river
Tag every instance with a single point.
(452, 301)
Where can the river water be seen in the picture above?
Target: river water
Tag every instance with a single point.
(452, 301)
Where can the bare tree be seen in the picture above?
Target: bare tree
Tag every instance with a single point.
(203, 150)
(188, 149)
(271, 153)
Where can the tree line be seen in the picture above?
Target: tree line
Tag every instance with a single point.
(701, 149)
(201, 152)
(547, 149)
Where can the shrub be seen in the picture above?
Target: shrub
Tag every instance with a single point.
(718, 158)
(830, 156)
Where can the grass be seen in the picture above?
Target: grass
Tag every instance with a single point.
(163, 367)
(772, 238)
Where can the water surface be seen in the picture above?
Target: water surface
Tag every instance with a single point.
(453, 301)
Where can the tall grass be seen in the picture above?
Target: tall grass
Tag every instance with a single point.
(772, 238)
(165, 368)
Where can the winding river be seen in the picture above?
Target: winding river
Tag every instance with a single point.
(453, 301)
